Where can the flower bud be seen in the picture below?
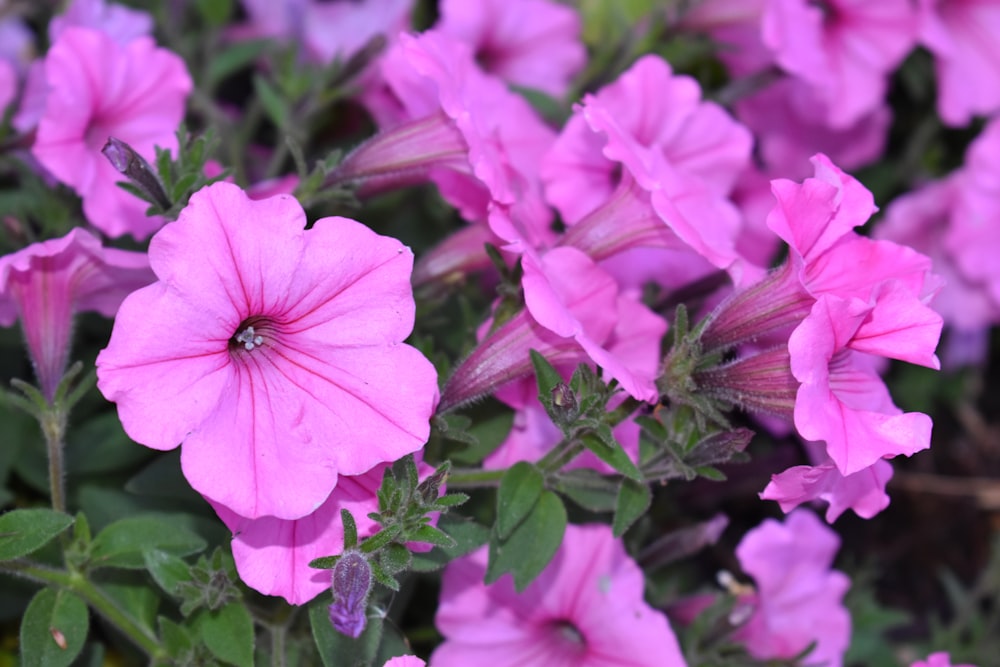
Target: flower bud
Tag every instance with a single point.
(352, 583)
(134, 167)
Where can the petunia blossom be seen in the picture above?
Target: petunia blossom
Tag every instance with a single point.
(121, 23)
(863, 491)
(405, 661)
(531, 43)
(278, 350)
(97, 89)
(586, 609)
(939, 659)
(45, 284)
(962, 36)
(799, 599)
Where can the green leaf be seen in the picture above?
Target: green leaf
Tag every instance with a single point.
(324, 562)
(350, 529)
(485, 435)
(519, 490)
(380, 575)
(54, 629)
(228, 633)
(100, 445)
(176, 638)
(603, 444)
(123, 543)
(168, 570)
(431, 535)
(215, 12)
(234, 58)
(468, 536)
(337, 650)
(396, 558)
(547, 377)
(380, 539)
(531, 546)
(587, 488)
(634, 499)
(274, 104)
(23, 531)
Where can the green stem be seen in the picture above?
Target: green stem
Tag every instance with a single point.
(278, 646)
(474, 478)
(54, 428)
(100, 601)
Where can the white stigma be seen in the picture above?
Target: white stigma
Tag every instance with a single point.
(249, 339)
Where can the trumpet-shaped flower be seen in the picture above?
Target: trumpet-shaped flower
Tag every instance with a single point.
(97, 89)
(799, 598)
(940, 659)
(122, 24)
(586, 609)
(531, 43)
(278, 350)
(863, 491)
(45, 284)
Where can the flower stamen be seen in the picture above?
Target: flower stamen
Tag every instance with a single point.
(249, 339)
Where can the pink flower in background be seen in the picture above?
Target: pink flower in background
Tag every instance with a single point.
(736, 26)
(863, 491)
(120, 23)
(326, 30)
(940, 659)
(842, 400)
(843, 49)
(586, 609)
(99, 89)
(285, 365)
(45, 284)
(530, 43)
(787, 120)
(8, 85)
(272, 555)
(405, 661)
(962, 35)
(799, 598)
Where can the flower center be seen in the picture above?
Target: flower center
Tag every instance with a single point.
(249, 338)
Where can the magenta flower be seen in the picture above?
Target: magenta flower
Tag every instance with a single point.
(405, 661)
(8, 85)
(962, 36)
(863, 491)
(844, 49)
(98, 89)
(45, 284)
(120, 23)
(940, 659)
(842, 400)
(285, 366)
(530, 43)
(586, 609)
(272, 555)
(799, 598)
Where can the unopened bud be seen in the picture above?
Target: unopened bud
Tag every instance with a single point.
(134, 167)
(352, 583)
(564, 402)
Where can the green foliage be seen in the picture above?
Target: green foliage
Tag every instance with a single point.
(54, 629)
(531, 545)
(24, 531)
(123, 543)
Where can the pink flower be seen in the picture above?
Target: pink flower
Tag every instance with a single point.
(799, 598)
(585, 609)
(940, 659)
(8, 85)
(454, 125)
(863, 491)
(842, 400)
(844, 49)
(120, 23)
(45, 284)
(787, 120)
(962, 36)
(326, 30)
(405, 661)
(531, 43)
(278, 349)
(98, 89)
(272, 555)
(572, 309)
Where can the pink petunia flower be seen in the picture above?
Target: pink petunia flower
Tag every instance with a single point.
(99, 89)
(863, 491)
(120, 23)
(842, 400)
(585, 609)
(284, 365)
(8, 85)
(531, 43)
(405, 661)
(799, 598)
(962, 36)
(325, 30)
(843, 49)
(272, 555)
(45, 284)
(939, 659)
